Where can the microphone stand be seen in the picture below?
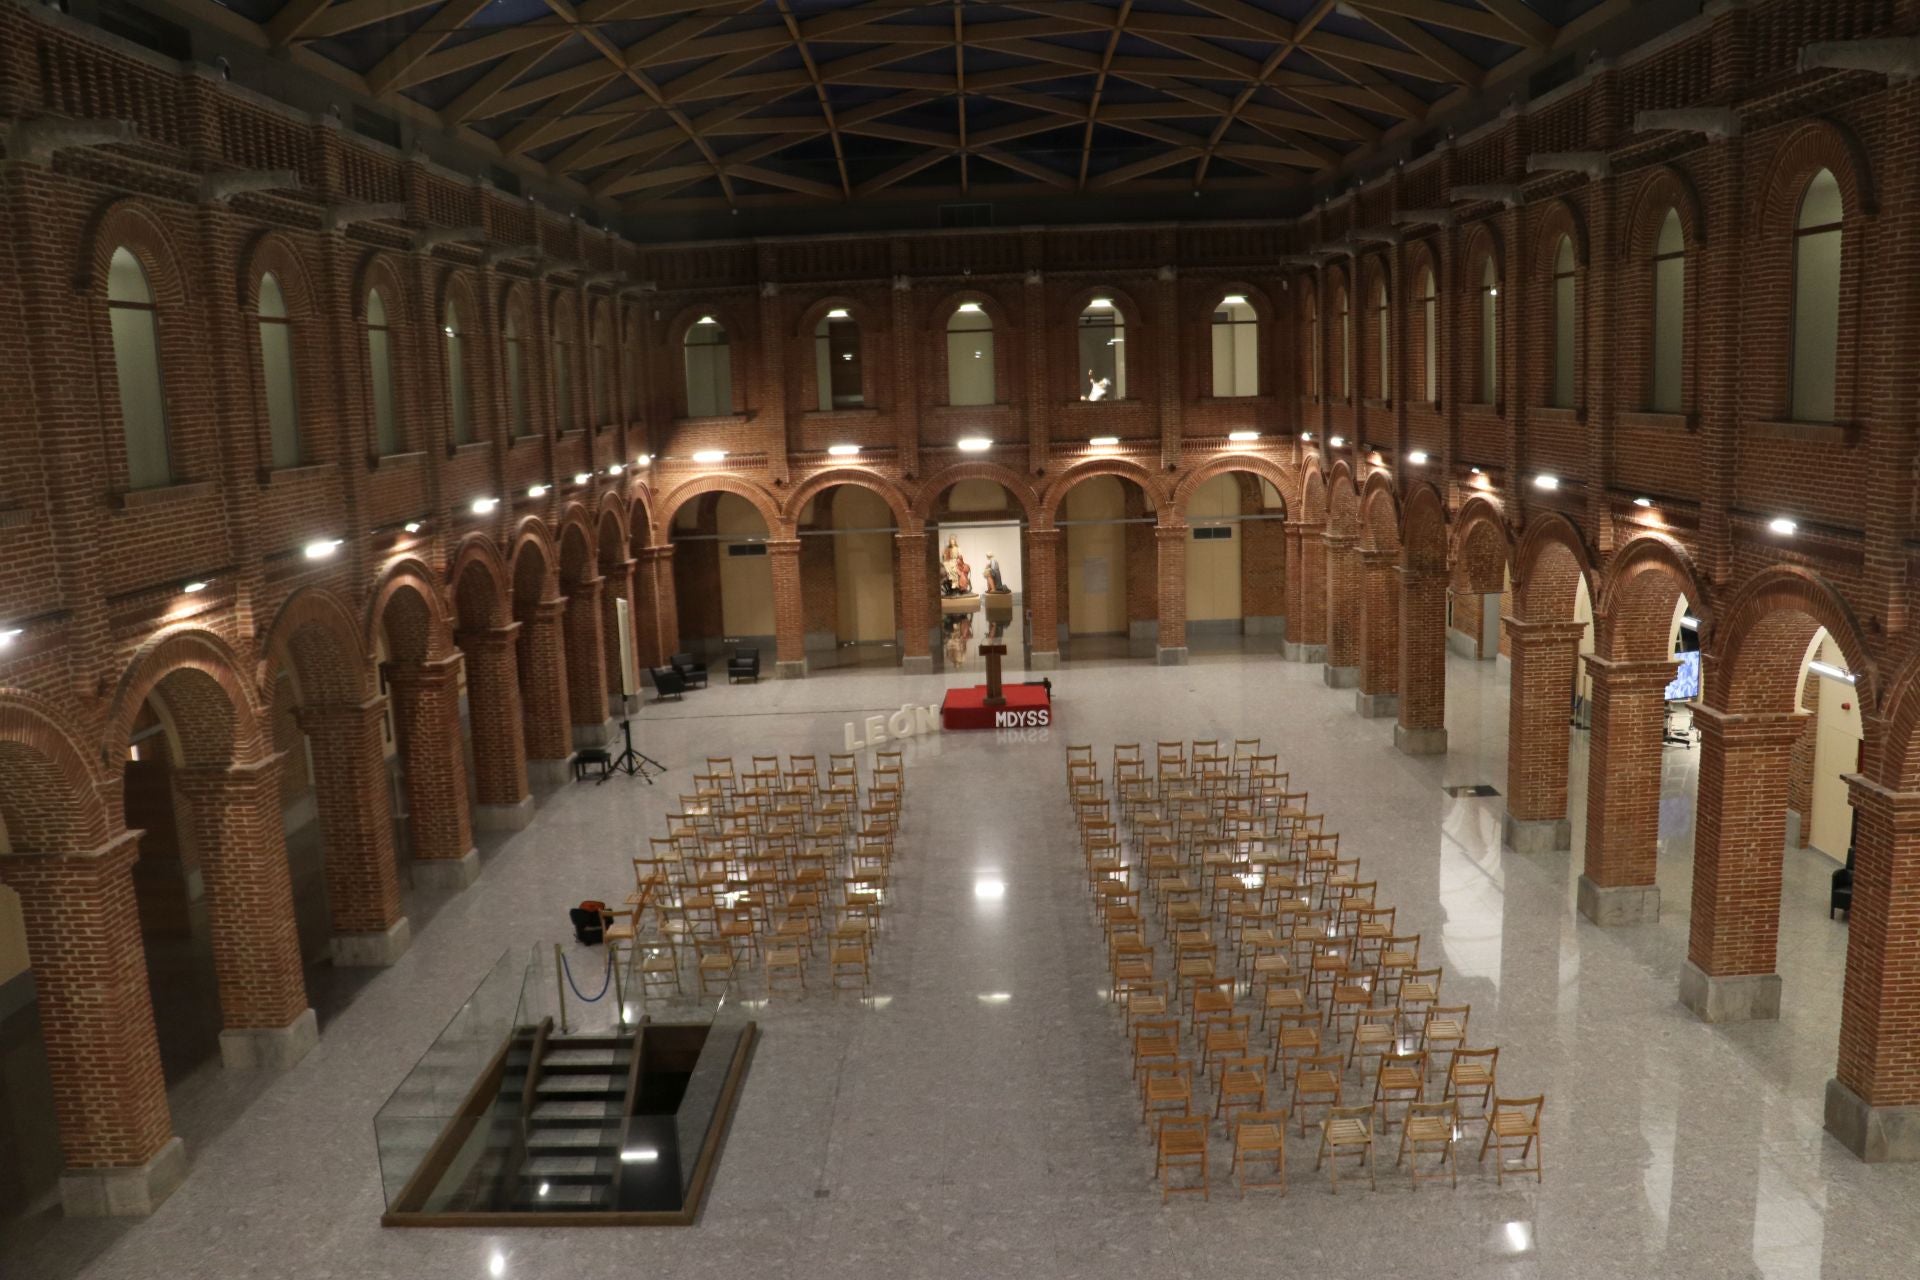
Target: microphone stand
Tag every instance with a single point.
(631, 762)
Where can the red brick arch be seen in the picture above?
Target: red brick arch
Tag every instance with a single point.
(534, 566)
(1758, 642)
(407, 602)
(640, 517)
(49, 797)
(1663, 188)
(315, 636)
(1902, 765)
(478, 583)
(456, 286)
(868, 318)
(858, 477)
(764, 502)
(199, 677)
(921, 508)
(1482, 549)
(1482, 242)
(1056, 492)
(1343, 501)
(1558, 219)
(1423, 541)
(1279, 476)
(1067, 348)
(613, 531)
(130, 224)
(1313, 495)
(1551, 563)
(943, 309)
(275, 252)
(578, 541)
(1380, 514)
(1638, 588)
(379, 271)
(1816, 145)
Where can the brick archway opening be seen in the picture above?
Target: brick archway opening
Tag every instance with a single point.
(540, 661)
(854, 593)
(1236, 563)
(487, 635)
(723, 577)
(423, 678)
(980, 515)
(1113, 591)
(585, 631)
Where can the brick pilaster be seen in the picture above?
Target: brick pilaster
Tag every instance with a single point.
(1879, 1012)
(586, 655)
(1170, 546)
(426, 717)
(350, 790)
(1342, 597)
(1623, 783)
(789, 612)
(1537, 731)
(542, 670)
(1423, 662)
(1043, 568)
(235, 819)
(1379, 649)
(1306, 584)
(910, 572)
(96, 1020)
(494, 719)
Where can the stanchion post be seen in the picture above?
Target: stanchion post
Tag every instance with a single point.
(560, 984)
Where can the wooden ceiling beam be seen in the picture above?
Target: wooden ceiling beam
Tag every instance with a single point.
(1534, 31)
(476, 102)
(450, 17)
(1454, 67)
(1140, 168)
(1454, 17)
(820, 93)
(905, 169)
(1020, 164)
(355, 14)
(774, 178)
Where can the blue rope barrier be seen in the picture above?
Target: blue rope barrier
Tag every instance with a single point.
(606, 979)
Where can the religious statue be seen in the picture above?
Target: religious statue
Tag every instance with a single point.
(996, 585)
(1096, 387)
(956, 576)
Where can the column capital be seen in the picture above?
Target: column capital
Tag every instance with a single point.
(1417, 575)
(1743, 729)
(1378, 558)
(1547, 632)
(20, 864)
(657, 553)
(783, 546)
(1619, 674)
(1339, 541)
(1049, 533)
(618, 567)
(422, 673)
(550, 611)
(313, 714)
(904, 536)
(240, 772)
(1170, 532)
(1901, 807)
(488, 637)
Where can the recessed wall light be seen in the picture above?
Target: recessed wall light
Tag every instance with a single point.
(7, 636)
(842, 450)
(1234, 300)
(1104, 442)
(710, 455)
(1689, 623)
(615, 468)
(988, 890)
(1418, 457)
(1781, 525)
(1336, 441)
(320, 548)
(838, 313)
(639, 1155)
(1306, 435)
(1476, 471)
(644, 460)
(975, 444)
(1643, 502)
(1241, 437)
(1100, 304)
(1545, 481)
(969, 308)
(706, 320)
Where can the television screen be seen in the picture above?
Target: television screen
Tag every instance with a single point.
(1686, 678)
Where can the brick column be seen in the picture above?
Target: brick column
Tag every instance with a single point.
(1537, 734)
(618, 585)
(1306, 594)
(1422, 727)
(1379, 691)
(1740, 828)
(234, 818)
(96, 1019)
(1043, 606)
(1170, 546)
(502, 801)
(426, 717)
(660, 628)
(586, 665)
(1342, 597)
(1623, 790)
(789, 614)
(541, 660)
(350, 790)
(1873, 1100)
(910, 571)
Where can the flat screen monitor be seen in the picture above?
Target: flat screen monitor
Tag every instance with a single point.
(1686, 678)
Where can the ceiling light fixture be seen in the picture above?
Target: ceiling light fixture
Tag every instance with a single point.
(842, 450)
(710, 455)
(974, 444)
(1545, 481)
(483, 505)
(1241, 437)
(1418, 457)
(321, 548)
(1781, 525)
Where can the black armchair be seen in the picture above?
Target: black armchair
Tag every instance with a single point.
(1840, 897)
(694, 673)
(667, 683)
(743, 665)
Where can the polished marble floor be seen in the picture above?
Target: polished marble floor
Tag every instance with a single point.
(931, 1132)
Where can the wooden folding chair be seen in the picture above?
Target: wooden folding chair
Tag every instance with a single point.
(1431, 1128)
(1182, 1145)
(1260, 1136)
(1515, 1126)
(1347, 1131)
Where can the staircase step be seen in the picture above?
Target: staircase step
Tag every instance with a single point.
(577, 1058)
(567, 1166)
(583, 1083)
(573, 1138)
(565, 1195)
(569, 1109)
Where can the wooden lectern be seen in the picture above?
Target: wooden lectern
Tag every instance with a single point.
(993, 653)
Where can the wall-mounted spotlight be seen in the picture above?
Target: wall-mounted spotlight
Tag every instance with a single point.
(414, 526)
(1781, 525)
(710, 455)
(1832, 672)
(321, 548)
(1643, 502)
(974, 444)
(1242, 437)
(483, 505)
(1418, 457)
(195, 587)
(843, 450)
(537, 491)
(1545, 481)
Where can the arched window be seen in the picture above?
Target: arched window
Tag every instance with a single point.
(1383, 366)
(459, 402)
(1669, 314)
(1561, 393)
(1489, 334)
(1816, 299)
(1236, 348)
(1103, 351)
(276, 366)
(562, 380)
(136, 364)
(1341, 313)
(1312, 379)
(1430, 336)
(970, 355)
(709, 369)
(604, 377)
(516, 378)
(836, 361)
(386, 424)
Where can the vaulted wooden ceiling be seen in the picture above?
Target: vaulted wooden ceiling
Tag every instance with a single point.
(662, 105)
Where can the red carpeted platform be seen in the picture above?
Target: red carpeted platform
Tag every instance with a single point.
(1029, 706)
